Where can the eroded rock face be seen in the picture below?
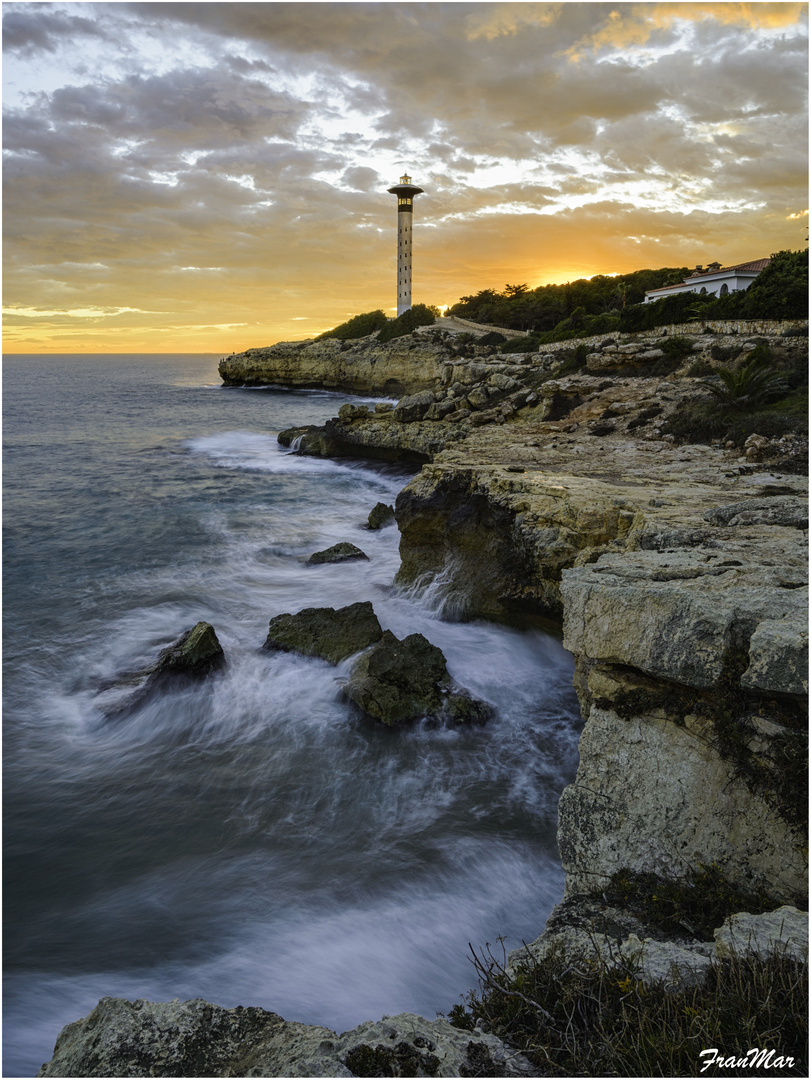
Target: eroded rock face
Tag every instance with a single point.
(328, 633)
(655, 796)
(195, 1038)
(403, 366)
(681, 575)
(399, 682)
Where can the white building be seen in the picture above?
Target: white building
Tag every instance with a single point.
(405, 192)
(713, 280)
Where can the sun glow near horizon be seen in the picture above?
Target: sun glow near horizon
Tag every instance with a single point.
(200, 187)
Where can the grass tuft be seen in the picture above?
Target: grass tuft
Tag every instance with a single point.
(594, 1017)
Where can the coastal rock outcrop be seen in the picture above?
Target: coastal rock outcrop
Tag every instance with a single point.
(327, 633)
(380, 515)
(195, 1038)
(196, 654)
(403, 366)
(399, 682)
(338, 553)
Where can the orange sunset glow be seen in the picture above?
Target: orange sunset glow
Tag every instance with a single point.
(212, 177)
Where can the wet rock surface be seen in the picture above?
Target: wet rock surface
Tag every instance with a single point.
(196, 654)
(399, 682)
(330, 634)
(338, 553)
(380, 516)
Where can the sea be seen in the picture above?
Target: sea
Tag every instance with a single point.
(251, 840)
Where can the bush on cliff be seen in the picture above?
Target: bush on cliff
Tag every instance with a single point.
(418, 315)
(763, 395)
(594, 1017)
(357, 327)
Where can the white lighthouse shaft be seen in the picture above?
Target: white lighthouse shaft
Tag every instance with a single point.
(405, 221)
(405, 192)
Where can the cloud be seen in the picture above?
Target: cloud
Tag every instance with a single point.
(33, 28)
(227, 163)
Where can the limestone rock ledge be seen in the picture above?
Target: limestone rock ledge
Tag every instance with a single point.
(195, 1038)
(403, 366)
(689, 635)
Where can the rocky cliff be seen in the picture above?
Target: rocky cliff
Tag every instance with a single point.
(405, 365)
(551, 485)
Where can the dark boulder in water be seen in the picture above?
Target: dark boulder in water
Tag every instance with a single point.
(399, 682)
(338, 553)
(195, 653)
(380, 516)
(328, 633)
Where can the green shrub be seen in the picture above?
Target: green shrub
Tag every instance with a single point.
(575, 362)
(493, 338)
(702, 422)
(519, 345)
(750, 386)
(418, 315)
(357, 327)
(700, 367)
(676, 347)
(584, 1016)
(698, 903)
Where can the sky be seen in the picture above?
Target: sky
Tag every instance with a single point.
(210, 177)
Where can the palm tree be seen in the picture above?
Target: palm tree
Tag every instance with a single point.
(750, 386)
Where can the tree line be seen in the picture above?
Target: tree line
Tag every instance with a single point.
(604, 304)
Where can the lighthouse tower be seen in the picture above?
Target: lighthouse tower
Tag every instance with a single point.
(405, 192)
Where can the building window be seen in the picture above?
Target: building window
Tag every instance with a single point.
(724, 289)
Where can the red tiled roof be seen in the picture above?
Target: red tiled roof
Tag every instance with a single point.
(753, 266)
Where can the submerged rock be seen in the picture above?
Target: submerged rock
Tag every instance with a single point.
(380, 516)
(195, 1038)
(402, 681)
(328, 633)
(336, 554)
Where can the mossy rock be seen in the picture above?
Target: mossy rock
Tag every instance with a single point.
(400, 682)
(327, 633)
(338, 553)
(195, 653)
(380, 516)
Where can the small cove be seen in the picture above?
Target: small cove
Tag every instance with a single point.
(250, 841)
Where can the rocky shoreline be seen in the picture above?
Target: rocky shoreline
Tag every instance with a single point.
(550, 486)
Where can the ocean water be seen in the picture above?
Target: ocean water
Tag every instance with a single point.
(251, 840)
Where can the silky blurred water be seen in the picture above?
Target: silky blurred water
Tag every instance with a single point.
(251, 840)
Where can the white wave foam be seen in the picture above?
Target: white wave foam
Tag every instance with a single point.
(260, 453)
